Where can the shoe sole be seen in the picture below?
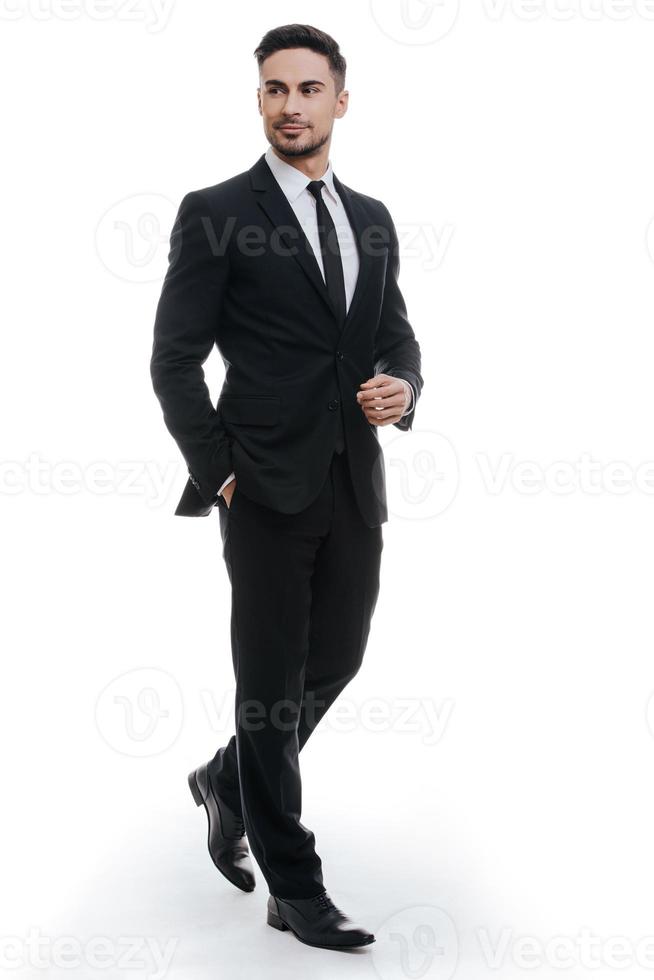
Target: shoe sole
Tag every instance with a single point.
(277, 923)
(199, 800)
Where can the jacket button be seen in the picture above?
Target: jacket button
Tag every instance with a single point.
(340, 355)
(333, 405)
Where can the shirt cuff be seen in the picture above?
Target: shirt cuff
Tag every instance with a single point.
(413, 397)
(232, 476)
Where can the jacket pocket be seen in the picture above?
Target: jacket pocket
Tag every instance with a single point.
(250, 409)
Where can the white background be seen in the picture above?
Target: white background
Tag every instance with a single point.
(486, 779)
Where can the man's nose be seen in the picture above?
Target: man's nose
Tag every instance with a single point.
(292, 106)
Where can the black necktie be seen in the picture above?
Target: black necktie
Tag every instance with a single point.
(331, 254)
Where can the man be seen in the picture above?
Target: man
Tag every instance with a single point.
(293, 276)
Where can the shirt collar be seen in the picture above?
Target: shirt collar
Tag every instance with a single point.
(292, 181)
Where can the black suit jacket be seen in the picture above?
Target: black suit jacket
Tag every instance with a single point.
(242, 275)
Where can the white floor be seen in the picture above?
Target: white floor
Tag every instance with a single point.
(454, 880)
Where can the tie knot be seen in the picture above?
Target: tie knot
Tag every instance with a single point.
(316, 186)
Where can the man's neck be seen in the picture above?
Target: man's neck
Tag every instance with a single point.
(312, 167)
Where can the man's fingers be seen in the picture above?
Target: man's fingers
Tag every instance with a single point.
(388, 390)
(376, 401)
(382, 414)
(384, 401)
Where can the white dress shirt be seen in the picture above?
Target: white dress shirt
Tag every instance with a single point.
(294, 185)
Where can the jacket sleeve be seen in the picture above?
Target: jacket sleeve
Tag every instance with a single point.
(396, 350)
(185, 328)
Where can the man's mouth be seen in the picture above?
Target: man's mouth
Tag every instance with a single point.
(291, 128)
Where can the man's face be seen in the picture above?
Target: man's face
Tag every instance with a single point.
(298, 101)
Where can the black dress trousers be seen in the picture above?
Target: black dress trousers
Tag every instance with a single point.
(304, 589)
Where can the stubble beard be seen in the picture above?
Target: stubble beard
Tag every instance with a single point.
(289, 149)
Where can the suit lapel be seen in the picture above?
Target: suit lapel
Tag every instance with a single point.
(274, 203)
(360, 223)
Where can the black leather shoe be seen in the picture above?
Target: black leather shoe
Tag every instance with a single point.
(227, 843)
(317, 922)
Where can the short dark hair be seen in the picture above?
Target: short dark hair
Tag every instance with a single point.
(304, 36)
